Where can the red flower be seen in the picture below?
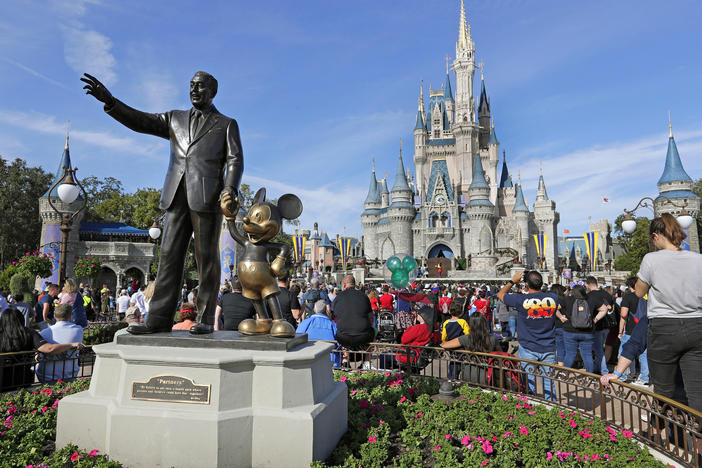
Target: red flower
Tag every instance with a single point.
(372, 439)
(93, 453)
(523, 430)
(75, 457)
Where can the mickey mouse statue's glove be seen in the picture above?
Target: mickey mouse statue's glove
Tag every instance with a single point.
(229, 205)
(278, 266)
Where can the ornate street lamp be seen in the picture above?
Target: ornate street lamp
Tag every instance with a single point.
(155, 229)
(68, 190)
(684, 219)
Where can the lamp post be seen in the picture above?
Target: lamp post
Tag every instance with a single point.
(68, 190)
(684, 219)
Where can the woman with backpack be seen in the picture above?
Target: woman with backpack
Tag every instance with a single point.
(579, 327)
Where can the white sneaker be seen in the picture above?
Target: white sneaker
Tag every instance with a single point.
(640, 383)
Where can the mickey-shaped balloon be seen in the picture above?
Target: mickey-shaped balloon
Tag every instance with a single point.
(401, 268)
(257, 273)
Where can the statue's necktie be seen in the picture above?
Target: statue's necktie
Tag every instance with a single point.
(195, 122)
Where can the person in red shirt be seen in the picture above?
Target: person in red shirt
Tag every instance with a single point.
(481, 305)
(419, 335)
(386, 300)
(373, 297)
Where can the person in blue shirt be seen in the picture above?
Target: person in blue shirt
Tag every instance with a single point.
(319, 326)
(66, 367)
(535, 324)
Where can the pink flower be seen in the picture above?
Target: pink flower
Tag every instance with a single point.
(93, 453)
(353, 392)
(523, 430)
(504, 397)
(363, 404)
(437, 447)
(59, 381)
(612, 438)
(403, 399)
(531, 413)
(46, 391)
(628, 434)
(572, 423)
(465, 440)
(343, 378)
(75, 457)
(484, 463)
(418, 415)
(549, 455)
(44, 410)
(487, 447)
(448, 436)
(372, 439)
(507, 434)
(387, 374)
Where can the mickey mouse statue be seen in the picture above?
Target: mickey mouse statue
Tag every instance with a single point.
(257, 273)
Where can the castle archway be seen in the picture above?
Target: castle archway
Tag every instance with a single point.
(439, 260)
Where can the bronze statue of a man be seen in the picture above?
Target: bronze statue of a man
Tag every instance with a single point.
(206, 162)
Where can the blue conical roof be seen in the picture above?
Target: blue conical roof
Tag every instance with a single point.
(542, 185)
(448, 92)
(384, 186)
(419, 125)
(519, 203)
(484, 104)
(478, 180)
(493, 136)
(63, 165)
(673, 171)
(505, 181)
(373, 193)
(325, 241)
(400, 178)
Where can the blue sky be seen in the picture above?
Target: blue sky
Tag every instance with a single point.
(320, 87)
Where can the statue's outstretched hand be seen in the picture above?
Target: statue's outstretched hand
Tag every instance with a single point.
(229, 205)
(97, 89)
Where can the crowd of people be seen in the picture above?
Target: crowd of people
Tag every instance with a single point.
(651, 326)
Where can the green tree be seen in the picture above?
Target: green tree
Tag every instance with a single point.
(20, 188)
(635, 245)
(105, 199)
(144, 208)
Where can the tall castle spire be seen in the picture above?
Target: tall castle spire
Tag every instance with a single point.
(463, 30)
(673, 170)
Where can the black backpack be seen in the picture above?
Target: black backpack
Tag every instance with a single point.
(580, 314)
(312, 297)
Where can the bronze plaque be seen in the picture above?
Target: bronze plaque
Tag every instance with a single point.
(172, 389)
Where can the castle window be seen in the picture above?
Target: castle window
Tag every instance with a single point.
(436, 133)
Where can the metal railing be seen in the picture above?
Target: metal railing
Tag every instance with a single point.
(660, 423)
(27, 368)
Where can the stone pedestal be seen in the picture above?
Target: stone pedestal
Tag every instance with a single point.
(171, 400)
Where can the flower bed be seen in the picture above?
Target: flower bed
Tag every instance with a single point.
(28, 430)
(393, 421)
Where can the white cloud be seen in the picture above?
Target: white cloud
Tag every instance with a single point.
(89, 51)
(159, 91)
(621, 171)
(48, 124)
(31, 71)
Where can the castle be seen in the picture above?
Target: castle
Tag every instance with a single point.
(456, 206)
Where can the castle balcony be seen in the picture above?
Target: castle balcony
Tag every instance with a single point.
(440, 231)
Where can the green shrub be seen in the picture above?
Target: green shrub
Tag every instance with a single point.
(99, 334)
(29, 430)
(393, 421)
(19, 284)
(6, 276)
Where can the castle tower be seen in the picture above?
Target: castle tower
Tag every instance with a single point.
(520, 213)
(448, 99)
(506, 192)
(51, 222)
(547, 218)
(464, 126)
(384, 194)
(676, 184)
(420, 141)
(491, 159)
(401, 211)
(484, 116)
(370, 216)
(480, 210)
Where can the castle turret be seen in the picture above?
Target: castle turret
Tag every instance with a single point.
(420, 139)
(484, 114)
(520, 214)
(506, 192)
(384, 193)
(480, 210)
(464, 67)
(370, 217)
(401, 211)
(547, 218)
(448, 98)
(676, 185)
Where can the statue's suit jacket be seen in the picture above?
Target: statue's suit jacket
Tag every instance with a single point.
(200, 166)
(201, 158)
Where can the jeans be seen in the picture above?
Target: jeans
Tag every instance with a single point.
(643, 360)
(560, 345)
(513, 325)
(548, 358)
(674, 342)
(600, 338)
(583, 342)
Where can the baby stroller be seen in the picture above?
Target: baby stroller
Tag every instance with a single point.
(386, 327)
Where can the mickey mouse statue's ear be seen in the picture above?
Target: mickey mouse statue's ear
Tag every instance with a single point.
(290, 206)
(260, 196)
